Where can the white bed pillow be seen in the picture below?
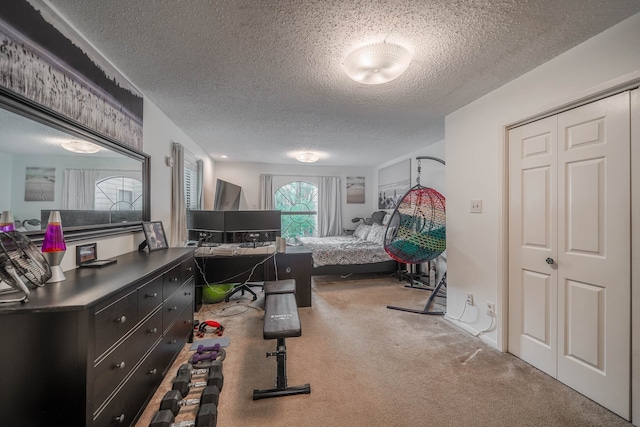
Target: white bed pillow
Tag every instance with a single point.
(362, 231)
(386, 218)
(376, 235)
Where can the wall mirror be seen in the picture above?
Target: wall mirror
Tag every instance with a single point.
(100, 193)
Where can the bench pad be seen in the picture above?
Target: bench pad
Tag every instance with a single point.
(286, 286)
(281, 318)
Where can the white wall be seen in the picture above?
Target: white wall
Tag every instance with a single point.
(475, 148)
(6, 178)
(432, 173)
(247, 175)
(159, 133)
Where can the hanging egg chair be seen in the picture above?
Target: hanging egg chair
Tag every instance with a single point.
(419, 232)
(416, 232)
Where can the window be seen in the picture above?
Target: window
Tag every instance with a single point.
(118, 193)
(298, 202)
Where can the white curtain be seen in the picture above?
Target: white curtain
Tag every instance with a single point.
(79, 189)
(178, 205)
(266, 192)
(329, 207)
(199, 184)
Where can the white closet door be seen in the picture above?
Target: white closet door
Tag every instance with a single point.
(569, 249)
(594, 257)
(533, 239)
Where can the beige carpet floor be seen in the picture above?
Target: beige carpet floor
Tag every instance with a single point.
(371, 366)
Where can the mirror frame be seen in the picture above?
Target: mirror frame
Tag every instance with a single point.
(20, 105)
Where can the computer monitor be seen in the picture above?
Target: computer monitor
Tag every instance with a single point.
(205, 220)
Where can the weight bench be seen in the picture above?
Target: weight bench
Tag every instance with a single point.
(281, 321)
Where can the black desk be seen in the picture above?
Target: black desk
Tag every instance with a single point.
(295, 264)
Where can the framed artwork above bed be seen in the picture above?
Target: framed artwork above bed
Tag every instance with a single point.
(355, 189)
(393, 183)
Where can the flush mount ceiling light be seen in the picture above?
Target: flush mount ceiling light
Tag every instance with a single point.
(307, 157)
(377, 63)
(82, 147)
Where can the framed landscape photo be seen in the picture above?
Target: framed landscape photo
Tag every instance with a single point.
(355, 189)
(154, 235)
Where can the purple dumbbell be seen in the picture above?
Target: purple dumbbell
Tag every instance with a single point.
(202, 349)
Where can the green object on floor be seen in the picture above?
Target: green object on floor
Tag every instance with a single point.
(212, 294)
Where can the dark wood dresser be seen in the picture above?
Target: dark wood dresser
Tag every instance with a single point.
(91, 350)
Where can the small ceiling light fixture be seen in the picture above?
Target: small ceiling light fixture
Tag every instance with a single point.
(82, 147)
(377, 63)
(307, 157)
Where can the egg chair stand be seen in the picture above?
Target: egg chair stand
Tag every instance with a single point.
(435, 293)
(416, 234)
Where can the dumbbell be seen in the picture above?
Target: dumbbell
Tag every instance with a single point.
(207, 417)
(172, 399)
(183, 383)
(203, 349)
(189, 369)
(202, 357)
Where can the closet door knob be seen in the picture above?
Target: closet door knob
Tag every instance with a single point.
(550, 261)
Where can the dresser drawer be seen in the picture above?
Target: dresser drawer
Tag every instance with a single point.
(149, 296)
(172, 281)
(117, 364)
(114, 321)
(176, 302)
(175, 338)
(188, 267)
(128, 403)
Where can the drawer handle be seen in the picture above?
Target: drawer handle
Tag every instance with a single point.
(119, 419)
(173, 308)
(153, 372)
(122, 319)
(153, 331)
(174, 279)
(153, 295)
(187, 293)
(119, 365)
(187, 321)
(173, 341)
(189, 268)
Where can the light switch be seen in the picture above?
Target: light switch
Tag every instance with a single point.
(476, 206)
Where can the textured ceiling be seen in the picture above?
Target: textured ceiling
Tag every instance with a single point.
(257, 80)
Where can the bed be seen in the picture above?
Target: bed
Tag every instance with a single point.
(361, 252)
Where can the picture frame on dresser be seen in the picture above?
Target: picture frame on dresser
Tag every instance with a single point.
(155, 237)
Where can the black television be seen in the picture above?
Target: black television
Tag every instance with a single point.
(227, 197)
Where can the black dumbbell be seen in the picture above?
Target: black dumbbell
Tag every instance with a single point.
(183, 383)
(207, 417)
(172, 399)
(188, 369)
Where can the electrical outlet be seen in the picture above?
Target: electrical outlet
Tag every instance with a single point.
(470, 299)
(491, 308)
(476, 206)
